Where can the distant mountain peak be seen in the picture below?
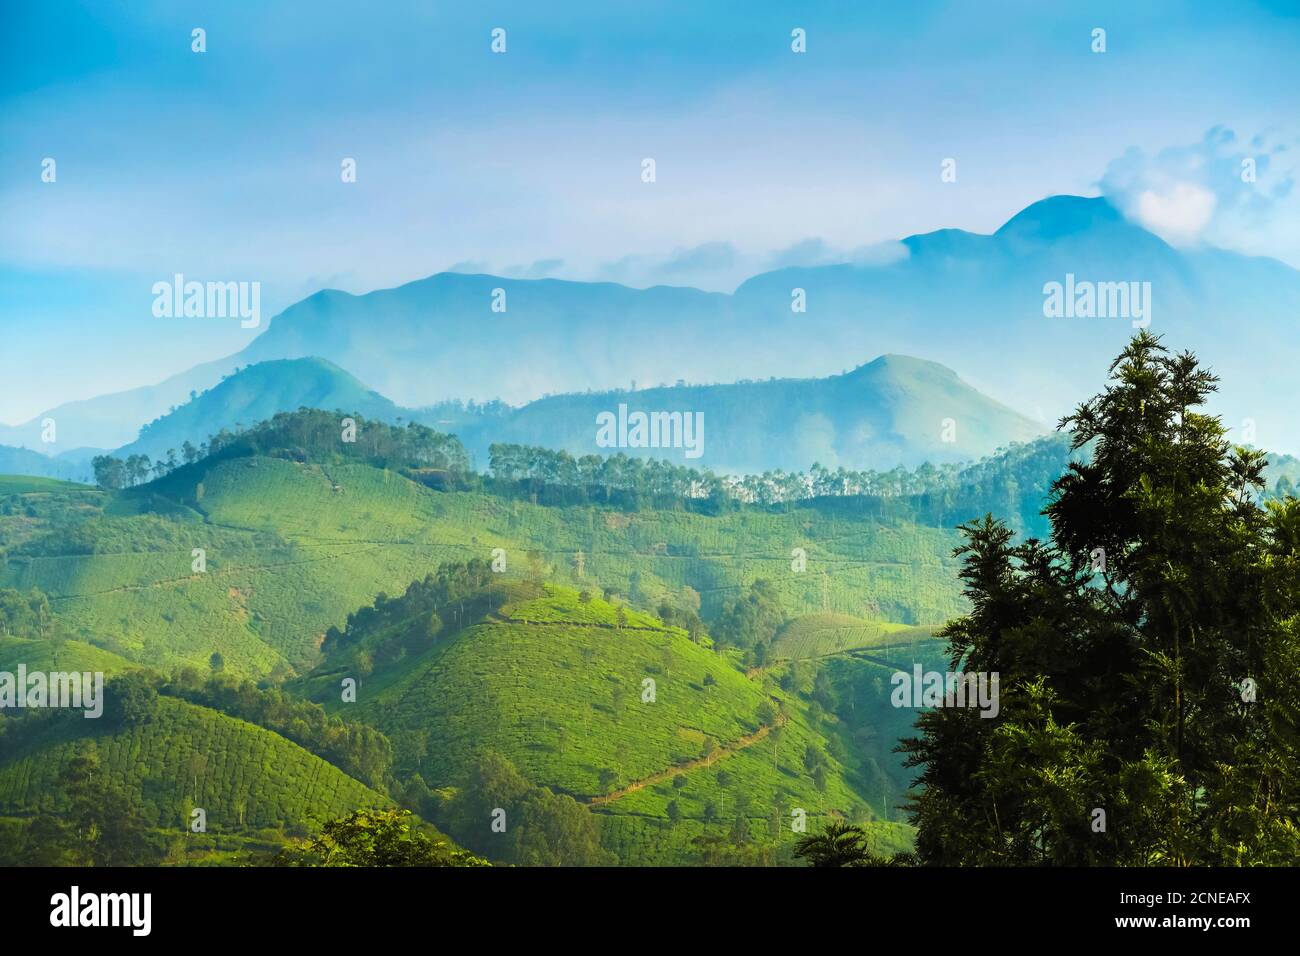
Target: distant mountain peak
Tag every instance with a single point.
(310, 364)
(896, 365)
(257, 392)
(968, 300)
(899, 360)
(1058, 216)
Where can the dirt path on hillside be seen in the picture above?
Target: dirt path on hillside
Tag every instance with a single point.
(863, 653)
(721, 753)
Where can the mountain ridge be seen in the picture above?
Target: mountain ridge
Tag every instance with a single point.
(256, 393)
(890, 411)
(963, 294)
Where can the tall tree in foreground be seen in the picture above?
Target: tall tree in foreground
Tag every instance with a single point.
(1148, 653)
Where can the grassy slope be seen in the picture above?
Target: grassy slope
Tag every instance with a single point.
(41, 655)
(819, 635)
(25, 484)
(561, 696)
(29, 510)
(188, 756)
(292, 548)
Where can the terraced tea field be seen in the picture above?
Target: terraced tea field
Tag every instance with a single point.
(290, 549)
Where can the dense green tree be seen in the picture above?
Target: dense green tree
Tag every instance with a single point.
(1010, 482)
(46, 840)
(813, 758)
(110, 472)
(839, 844)
(374, 838)
(752, 619)
(1147, 653)
(24, 613)
(130, 698)
(541, 828)
(315, 434)
(308, 433)
(456, 596)
(553, 829)
(101, 826)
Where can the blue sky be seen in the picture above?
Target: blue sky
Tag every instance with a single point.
(225, 165)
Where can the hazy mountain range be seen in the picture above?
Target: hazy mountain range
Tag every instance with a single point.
(965, 300)
(894, 410)
(256, 393)
(24, 461)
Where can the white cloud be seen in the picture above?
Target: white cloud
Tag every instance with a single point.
(1221, 190)
(1179, 213)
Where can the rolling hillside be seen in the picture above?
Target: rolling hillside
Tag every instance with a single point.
(622, 712)
(291, 548)
(45, 655)
(954, 297)
(975, 298)
(184, 756)
(550, 673)
(820, 635)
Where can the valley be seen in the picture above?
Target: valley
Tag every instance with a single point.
(313, 571)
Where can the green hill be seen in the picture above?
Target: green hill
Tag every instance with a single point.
(541, 671)
(46, 655)
(39, 507)
(182, 756)
(625, 714)
(31, 484)
(820, 635)
(291, 548)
